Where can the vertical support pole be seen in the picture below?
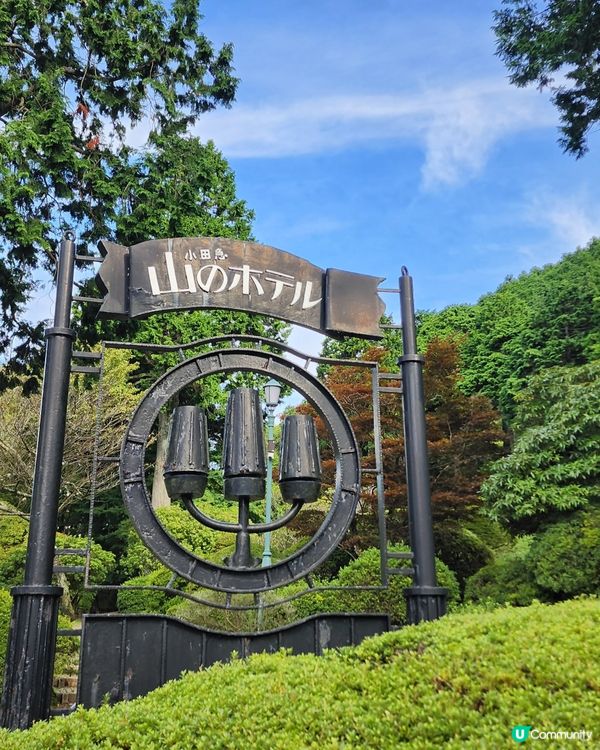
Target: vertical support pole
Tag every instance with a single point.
(425, 599)
(266, 557)
(32, 636)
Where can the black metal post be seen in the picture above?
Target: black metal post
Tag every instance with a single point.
(32, 636)
(242, 556)
(425, 599)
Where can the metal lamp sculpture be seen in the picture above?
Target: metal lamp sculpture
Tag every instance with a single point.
(187, 464)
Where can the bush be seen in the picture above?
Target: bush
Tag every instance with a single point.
(145, 600)
(365, 571)
(491, 533)
(5, 610)
(462, 681)
(507, 580)
(565, 557)
(198, 539)
(461, 549)
(77, 599)
(13, 529)
(232, 620)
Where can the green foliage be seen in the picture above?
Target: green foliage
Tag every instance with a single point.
(365, 571)
(198, 539)
(460, 549)
(143, 599)
(102, 565)
(463, 681)
(234, 620)
(555, 461)
(453, 322)
(539, 42)
(491, 533)
(73, 76)
(350, 347)
(66, 658)
(13, 528)
(565, 557)
(5, 610)
(547, 317)
(508, 579)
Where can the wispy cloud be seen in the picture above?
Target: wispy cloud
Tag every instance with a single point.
(456, 127)
(571, 221)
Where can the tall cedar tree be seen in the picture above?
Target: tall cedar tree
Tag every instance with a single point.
(73, 77)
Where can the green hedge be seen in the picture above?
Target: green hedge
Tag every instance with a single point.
(565, 557)
(145, 600)
(464, 681)
(365, 571)
(202, 541)
(562, 560)
(507, 580)
(102, 564)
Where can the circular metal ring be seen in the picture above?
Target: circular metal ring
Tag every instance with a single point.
(167, 549)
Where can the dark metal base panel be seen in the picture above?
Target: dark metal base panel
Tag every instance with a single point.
(125, 656)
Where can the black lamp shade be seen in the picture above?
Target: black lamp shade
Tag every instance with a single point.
(186, 467)
(243, 446)
(299, 464)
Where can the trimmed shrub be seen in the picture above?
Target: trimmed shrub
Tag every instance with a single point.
(145, 600)
(461, 549)
(462, 681)
(5, 610)
(232, 620)
(365, 571)
(507, 580)
(565, 557)
(198, 539)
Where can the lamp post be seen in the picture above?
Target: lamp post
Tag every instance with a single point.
(272, 391)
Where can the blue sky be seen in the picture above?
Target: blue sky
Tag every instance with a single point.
(371, 135)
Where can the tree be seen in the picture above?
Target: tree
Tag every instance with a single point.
(554, 467)
(540, 41)
(19, 417)
(353, 347)
(546, 317)
(73, 76)
(464, 435)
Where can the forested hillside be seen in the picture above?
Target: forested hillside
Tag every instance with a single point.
(544, 318)
(513, 416)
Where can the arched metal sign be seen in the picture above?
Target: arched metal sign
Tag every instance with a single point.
(208, 272)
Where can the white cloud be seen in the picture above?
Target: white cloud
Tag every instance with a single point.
(456, 127)
(571, 222)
